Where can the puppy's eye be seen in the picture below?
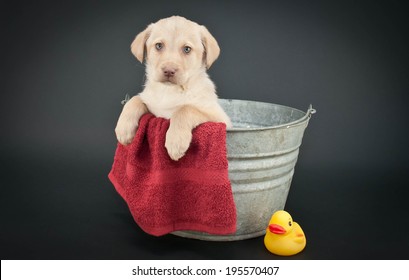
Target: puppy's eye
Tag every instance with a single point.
(158, 46)
(187, 49)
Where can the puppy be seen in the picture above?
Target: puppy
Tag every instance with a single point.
(177, 53)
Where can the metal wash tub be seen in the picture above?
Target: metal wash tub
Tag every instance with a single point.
(262, 150)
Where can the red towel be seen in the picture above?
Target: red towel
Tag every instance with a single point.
(193, 193)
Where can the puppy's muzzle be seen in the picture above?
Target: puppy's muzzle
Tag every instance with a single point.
(169, 72)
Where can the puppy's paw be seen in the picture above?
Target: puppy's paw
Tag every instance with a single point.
(177, 142)
(125, 129)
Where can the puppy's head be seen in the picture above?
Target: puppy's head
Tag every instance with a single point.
(175, 49)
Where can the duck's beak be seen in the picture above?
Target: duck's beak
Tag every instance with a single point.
(277, 229)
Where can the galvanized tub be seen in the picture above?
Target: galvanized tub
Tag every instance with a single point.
(262, 150)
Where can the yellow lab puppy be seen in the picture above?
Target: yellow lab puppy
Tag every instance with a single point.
(177, 52)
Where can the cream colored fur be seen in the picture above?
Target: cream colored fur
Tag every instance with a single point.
(177, 53)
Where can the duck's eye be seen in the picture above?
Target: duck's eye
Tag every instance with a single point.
(187, 49)
(290, 223)
(158, 46)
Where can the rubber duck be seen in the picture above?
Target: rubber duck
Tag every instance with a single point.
(284, 237)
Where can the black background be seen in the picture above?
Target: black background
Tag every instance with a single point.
(67, 65)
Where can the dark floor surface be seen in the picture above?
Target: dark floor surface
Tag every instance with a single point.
(53, 209)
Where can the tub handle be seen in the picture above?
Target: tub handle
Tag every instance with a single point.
(311, 111)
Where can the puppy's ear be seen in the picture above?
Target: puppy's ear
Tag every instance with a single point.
(211, 48)
(138, 46)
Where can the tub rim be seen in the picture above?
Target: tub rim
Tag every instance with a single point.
(306, 116)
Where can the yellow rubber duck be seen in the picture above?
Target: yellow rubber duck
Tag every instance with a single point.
(284, 237)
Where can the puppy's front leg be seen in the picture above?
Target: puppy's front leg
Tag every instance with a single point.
(179, 134)
(128, 120)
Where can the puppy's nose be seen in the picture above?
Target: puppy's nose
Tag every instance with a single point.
(169, 71)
